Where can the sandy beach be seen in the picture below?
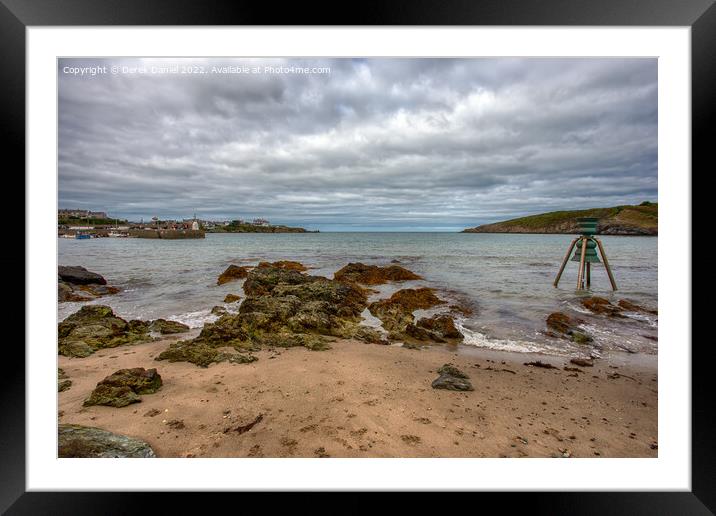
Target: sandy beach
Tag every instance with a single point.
(369, 400)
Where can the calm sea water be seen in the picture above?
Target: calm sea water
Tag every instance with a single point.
(507, 279)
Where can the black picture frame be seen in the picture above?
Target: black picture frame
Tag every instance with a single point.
(700, 15)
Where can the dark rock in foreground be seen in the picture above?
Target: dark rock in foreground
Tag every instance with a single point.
(452, 379)
(75, 441)
(77, 284)
(94, 327)
(123, 387)
(79, 275)
(373, 274)
(232, 273)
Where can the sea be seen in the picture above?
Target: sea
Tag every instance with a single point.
(506, 279)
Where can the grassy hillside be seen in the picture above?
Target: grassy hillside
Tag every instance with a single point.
(619, 220)
(235, 227)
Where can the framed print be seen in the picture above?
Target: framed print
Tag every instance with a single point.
(341, 258)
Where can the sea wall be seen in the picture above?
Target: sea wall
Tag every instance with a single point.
(167, 234)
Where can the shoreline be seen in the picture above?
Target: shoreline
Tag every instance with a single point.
(368, 400)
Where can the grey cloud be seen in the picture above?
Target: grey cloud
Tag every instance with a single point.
(380, 143)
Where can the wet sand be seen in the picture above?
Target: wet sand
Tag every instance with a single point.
(365, 400)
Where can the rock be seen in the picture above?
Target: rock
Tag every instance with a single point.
(599, 305)
(442, 325)
(284, 264)
(452, 379)
(79, 275)
(66, 293)
(373, 274)
(219, 310)
(231, 298)
(370, 335)
(63, 383)
(396, 314)
(283, 308)
(75, 441)
(538, 363)
(633, 307)
(94, 327)
(97, 290)
(568, 326)
(200, 354)
(232, 272)
(123, 387)
(451, 370)
(166, 327)
(581, 362)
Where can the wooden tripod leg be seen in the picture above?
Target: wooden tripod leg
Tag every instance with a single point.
(564, 262)
(589, 274)
(606, 264)
(580, 276)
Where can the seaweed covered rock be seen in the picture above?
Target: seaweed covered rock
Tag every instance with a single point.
(599, 305)
(76, 441)
(166, 327)
(232, 273)
(94, 327)
(561, 324)
(441, 325)
(77, 284)
(633, 307)
(123, 387)
(283, 308)
(201, 354)
(452, 379)
(63, 382)
(218, 310)
(284, 264)
(396, 314)
(373, 274)
(231, 298)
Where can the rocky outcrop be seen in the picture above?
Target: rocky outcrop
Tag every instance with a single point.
(123, 387)
(441, 325)
(79, 275)
(562, 325)
(166, 327)
(452, 379)
(599, 305)
(94, 327)
(282, 308)
(373, 274)
(218, 310)
(63, 382)
(77, 284)
(284, 264)
(231, 298)
(232, 273)
(396, 314)
(75, 441)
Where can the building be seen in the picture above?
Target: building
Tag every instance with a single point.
(260, 222)
(81, 214)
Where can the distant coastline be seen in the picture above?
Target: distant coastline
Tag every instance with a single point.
(619, 220)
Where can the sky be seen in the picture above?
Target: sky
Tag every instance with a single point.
(376, 144)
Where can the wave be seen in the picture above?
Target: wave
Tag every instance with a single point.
(479, 339)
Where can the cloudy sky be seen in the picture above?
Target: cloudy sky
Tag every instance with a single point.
(363, 144)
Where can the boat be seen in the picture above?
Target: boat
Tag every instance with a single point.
(82, 236)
